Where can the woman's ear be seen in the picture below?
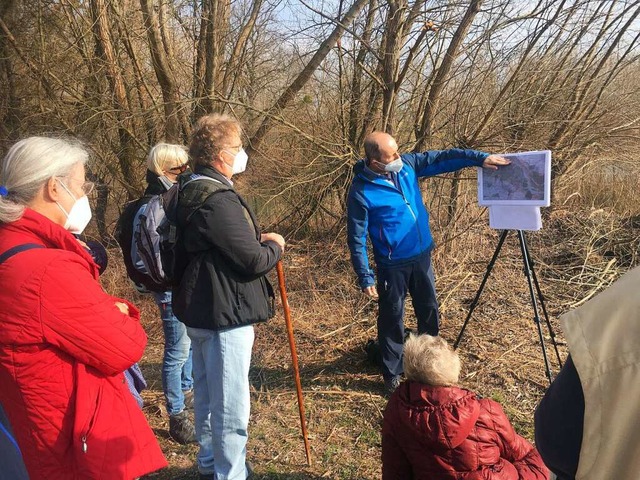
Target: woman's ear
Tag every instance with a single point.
(51, 191)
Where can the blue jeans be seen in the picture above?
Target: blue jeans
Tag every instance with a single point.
(221, 360)
(394, 282)
(176, 362)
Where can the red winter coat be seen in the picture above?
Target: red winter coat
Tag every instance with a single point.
(63, 347)
(448, 433)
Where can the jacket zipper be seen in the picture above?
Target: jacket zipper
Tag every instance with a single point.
(92, 422)
(415, 218)
(408, 204)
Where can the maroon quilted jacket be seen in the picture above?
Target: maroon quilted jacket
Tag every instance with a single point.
(448, 433)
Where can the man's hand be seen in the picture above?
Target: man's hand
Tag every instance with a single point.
(123, 307)
(371, 291)
(493, 161)
(273, 237)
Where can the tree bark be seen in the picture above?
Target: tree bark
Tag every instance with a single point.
(302, 78)
(104, 50)
(426, 126)
(174, 130)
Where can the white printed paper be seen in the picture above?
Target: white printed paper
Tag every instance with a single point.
(515, 217)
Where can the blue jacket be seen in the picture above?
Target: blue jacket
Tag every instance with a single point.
(11, 462)
(391, 211)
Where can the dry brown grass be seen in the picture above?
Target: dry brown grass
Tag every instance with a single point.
(577, 254)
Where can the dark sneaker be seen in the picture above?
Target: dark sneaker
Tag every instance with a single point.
(188, 399)
(390, 384)
(181, 429)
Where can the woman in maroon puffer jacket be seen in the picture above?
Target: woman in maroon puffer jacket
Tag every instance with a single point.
(435, 430)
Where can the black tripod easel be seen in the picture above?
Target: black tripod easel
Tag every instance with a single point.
(532, 280)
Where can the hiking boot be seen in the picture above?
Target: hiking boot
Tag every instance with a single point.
(181, 429)
(390, 384)
(188, 399)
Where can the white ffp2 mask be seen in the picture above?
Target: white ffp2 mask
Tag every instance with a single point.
(240, 161)
(80, 214)
(394, 166)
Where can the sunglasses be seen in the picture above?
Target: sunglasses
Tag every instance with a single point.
(180, 169)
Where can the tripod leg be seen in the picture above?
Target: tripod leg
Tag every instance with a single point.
(536, 317)
(484, 281)
(542, 304)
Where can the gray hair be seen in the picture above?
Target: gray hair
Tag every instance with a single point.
(165, 156)
(431, 360)
(29, 164)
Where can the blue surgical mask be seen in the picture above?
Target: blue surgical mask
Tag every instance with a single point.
(394, 166)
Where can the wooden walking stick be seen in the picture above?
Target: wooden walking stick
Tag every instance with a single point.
(294, 357)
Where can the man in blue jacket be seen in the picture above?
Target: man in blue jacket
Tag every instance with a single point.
(385, 202)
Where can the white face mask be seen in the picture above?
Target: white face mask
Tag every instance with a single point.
(80, 214)
(394, 166)
(239, 161)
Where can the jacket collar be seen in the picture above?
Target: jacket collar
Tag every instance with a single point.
(154, 186)
(209, 171)
(360, 169)
(34, 227)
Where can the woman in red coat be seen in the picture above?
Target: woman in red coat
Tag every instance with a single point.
(64, 342)
(434, 430)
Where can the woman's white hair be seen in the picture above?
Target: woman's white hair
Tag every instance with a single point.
(29, 164)
(431, 360)
(165, 156)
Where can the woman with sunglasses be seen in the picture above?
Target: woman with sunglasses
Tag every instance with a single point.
(164, 163)
(64, 342)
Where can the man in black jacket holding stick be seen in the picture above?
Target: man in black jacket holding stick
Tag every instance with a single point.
(223, 291)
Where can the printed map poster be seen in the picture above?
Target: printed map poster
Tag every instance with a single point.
(526, 181)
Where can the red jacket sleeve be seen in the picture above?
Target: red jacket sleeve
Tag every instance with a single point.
(79, 318)
(516, 449)
(395, 464)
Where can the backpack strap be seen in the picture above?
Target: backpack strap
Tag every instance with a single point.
(17, 249)
(196, 199)
(196, 176)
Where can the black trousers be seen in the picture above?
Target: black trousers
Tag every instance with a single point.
(415, 278)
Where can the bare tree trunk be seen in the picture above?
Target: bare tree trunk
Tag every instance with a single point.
(426, 125)
(175, 131)
(10, 120)
(104, 50)
(391, 58)
(235, 61)
(485, 120)
(584, 88)
(302, 78)
(356, 120)
(210, 54)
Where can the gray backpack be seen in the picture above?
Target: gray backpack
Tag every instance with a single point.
(157, 235)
